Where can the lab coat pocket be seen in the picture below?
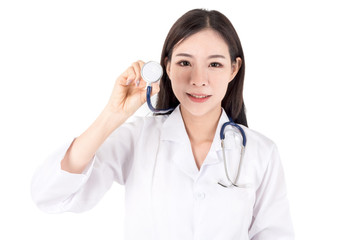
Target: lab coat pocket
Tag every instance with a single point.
(230, 209)
(238, 199)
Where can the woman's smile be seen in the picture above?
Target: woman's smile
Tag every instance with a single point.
(198, 98)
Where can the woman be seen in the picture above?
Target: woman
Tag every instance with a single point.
(171, 164)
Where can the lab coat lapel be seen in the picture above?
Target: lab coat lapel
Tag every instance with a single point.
(176, 140)
(215, 149)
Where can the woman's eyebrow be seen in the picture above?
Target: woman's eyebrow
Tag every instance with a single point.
(191, 56)
(217, 56)
(183, 55)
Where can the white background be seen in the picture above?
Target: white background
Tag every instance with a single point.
(59, 60)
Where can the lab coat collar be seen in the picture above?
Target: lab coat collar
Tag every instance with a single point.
(174, 130)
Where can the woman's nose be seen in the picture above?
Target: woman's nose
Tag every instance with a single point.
(199, 77)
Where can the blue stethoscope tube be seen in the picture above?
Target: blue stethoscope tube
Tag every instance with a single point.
(148, 101)
(222, 135)
(222, 138)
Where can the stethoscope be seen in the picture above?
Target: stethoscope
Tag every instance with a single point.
(152, 72)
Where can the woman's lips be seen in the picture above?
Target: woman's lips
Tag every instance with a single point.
(198, 97)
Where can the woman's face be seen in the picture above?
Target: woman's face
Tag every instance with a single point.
(200, 71)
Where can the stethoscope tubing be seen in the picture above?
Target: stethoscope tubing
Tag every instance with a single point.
(148, 101)
(222, 137)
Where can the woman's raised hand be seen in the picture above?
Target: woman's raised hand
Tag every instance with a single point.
(128, 94)
(129, 91)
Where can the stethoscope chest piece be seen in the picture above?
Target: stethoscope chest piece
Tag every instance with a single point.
(151, 72)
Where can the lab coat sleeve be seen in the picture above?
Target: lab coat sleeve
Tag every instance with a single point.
(271, 216)
(55, 190)
(52, 188)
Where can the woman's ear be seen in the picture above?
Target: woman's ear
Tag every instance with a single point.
(167, 66)
(235, 67)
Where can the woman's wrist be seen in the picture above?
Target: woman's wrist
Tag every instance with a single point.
(109, 120)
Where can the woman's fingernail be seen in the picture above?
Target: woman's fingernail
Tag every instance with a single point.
(137, 83)
(128, 81)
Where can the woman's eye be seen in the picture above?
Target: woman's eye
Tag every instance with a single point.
(184, 63)
(215, 65)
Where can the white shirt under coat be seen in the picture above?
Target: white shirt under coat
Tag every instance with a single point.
(167, 197)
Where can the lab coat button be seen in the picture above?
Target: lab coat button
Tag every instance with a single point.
(200, 196)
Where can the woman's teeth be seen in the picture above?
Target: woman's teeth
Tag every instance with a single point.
(197, 96)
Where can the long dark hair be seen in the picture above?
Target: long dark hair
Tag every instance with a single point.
(187, 25)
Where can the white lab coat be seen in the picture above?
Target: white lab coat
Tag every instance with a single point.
(167, 197)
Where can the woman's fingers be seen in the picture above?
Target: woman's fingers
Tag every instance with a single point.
(129, 92)
(132, 75)
(136, 67)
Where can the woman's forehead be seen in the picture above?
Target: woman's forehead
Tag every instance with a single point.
(206, 42)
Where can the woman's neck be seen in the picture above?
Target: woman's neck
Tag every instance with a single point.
(201, 128)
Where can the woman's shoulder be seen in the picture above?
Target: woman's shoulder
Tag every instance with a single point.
(149, 120)
(260, 149)
(142, 123)
(257, 139)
